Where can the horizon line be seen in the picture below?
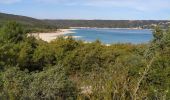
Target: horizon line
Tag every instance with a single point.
(85, 18)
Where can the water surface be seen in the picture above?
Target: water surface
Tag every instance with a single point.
(109, 36)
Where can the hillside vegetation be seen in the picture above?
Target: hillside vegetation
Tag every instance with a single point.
(22, 19)
(66, 69)
(31, 24)
(53, 24)
(146, 24)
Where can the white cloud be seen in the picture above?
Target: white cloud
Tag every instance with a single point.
(141, 5)
(9, 1)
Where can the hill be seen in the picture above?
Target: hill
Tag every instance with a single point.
(27, 21)
(111, 23)
(53, 24)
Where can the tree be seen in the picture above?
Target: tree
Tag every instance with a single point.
(15, 83)
(156, 75)
(158, 34)
(52, 83)
(12, 32)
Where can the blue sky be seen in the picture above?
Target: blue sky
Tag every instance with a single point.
(89, 9)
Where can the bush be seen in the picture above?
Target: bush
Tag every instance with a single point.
(49, 84)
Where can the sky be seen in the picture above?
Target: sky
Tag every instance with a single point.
(89, 9)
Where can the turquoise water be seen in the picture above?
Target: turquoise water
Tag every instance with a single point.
(109, 36)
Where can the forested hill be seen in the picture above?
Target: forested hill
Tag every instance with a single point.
(111, 23)
(28, 21)
(50, 24)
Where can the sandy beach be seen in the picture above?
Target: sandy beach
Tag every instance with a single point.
(51, 35)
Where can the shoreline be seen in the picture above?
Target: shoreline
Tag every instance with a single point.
(49, 36)
(107, 28)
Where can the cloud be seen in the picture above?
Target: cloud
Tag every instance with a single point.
(138, 5)
(141, 5)
(9, 1)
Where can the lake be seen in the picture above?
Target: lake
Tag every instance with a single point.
(109, 36)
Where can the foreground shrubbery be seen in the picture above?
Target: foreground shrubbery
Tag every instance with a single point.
(65, 69)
